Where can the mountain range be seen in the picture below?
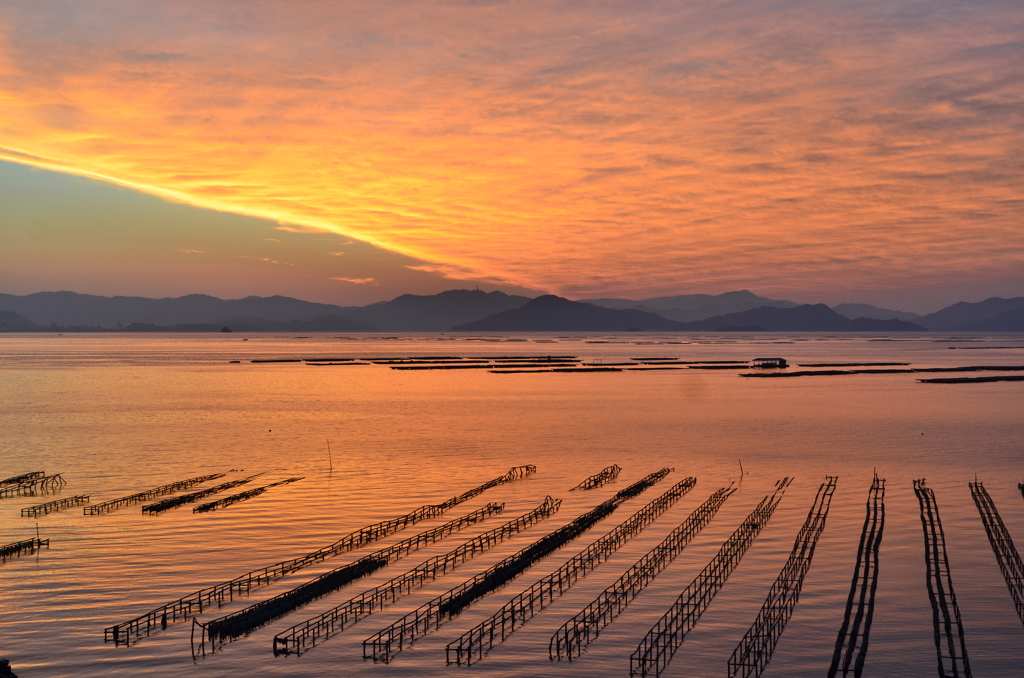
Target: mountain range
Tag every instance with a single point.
(478, 311)
(555, 314)
(692, 307)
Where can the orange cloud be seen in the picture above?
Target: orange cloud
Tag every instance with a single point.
(357, 281)
(569, 147)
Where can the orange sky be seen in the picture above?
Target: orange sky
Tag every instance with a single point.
(579, 148)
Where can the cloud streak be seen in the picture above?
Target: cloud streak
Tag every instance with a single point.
(573, 147)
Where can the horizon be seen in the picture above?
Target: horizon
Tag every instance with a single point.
(463, 289)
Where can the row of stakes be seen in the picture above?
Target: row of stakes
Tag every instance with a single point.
(656, 649)
(655, 652)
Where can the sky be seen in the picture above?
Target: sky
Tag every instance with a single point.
(815, 151)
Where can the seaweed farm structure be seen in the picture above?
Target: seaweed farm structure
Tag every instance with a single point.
(318, 629)
(949, 631)
(606, 475)
(171, 502)
(23, 478)
(382, 646)
(21, 548)
(242, 496)
(1002, 545)
(475, 643)
(514, 473)
(114, 504)
(758, 644)
(186, 607)
(54, 506)
(572, 639)
(657, 648)
(854, 634)
(31, 484)
(262, 613)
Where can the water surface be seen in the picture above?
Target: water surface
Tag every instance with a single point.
(117, 414)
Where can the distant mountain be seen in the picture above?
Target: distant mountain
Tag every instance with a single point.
(69, 308)
(693, 307)
(550, 313)
(1007, 321)
(434, 313)
(968, 317)
(407, 313)
(325, 323)
(807, 318)
(852, 311)
(12, 322)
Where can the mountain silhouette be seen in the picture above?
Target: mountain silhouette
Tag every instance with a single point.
(693, 307)
(12, 322)
(852, 311)
(965, 316)
(1007, 321)
(806, 318)
(68, 309)
(436, 312)
(550, 313)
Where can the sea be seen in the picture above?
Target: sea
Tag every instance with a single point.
(117, 414)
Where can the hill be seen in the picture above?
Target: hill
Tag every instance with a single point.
(550, 313)
(434, 313)
(68, 309)
(12, 322)
(852, 311)
(200, 312)
(326, 323)
(1007, 321)
(966, 317)
(693, 307)
(806, 318)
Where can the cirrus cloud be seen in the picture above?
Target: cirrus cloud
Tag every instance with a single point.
(573, 147)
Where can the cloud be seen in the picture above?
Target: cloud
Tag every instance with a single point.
(357, 281)
(564, 146)
(191, 251)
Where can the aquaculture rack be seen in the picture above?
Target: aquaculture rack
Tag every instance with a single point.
(756, 647)
(1002, 545)
(950, 646)
(572, 638)
(854, 634)
(606, 475)
(171, 502)
(188, 606)
(32, 486)
(320, 628)
(382, 646)
(53, 506)
(20, 548)
(264, 612)
(655, 651)
(114, 504)
(23, 478)
(242, 496)
(473, 644)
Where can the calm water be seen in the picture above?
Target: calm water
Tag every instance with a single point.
(119, 414)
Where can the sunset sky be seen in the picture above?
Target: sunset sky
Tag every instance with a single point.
(352, 151)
